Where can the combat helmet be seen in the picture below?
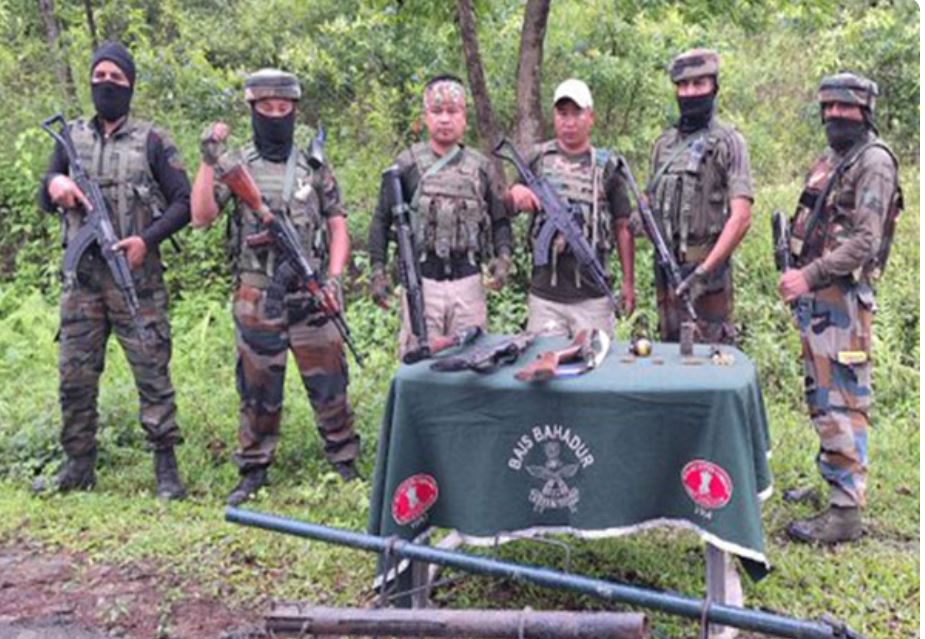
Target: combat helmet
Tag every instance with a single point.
(693, 64)
(849, 88)
(271, 83)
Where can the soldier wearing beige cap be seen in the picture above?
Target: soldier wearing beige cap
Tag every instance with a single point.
(562, 299)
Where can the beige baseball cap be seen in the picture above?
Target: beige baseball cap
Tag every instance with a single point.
(576, 91)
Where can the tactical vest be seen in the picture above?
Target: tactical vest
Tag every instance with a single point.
(119, 164)
(584, 191)
(688, 194)
(831, 229)
(298, 197)
(449, 212)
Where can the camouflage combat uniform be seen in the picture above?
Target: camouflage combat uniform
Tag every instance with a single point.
(694, 176)
(839, 254)
(459, 222)
(309, 198)
(92, 306)
(562, 298)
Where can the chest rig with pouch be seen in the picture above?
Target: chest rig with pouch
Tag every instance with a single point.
(449, 213)
(583, 188)
(689, 196)
(119, 164)
(292, 189)
(818, 225)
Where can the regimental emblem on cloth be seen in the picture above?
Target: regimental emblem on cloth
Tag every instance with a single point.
(413, 498)
(555, 442)
(709, 485)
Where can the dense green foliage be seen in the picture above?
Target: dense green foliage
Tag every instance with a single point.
(362, 64)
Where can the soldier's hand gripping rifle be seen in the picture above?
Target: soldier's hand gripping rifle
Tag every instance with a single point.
(408, 263)
(560, 219)
(663, 254)
(97, 228)
(286, 241)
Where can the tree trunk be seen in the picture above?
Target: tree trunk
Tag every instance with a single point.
(529, 120)
(91, 24)
(488, 128)
(52, 35)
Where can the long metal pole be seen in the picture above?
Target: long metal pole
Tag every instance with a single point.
(426, 622)
(744, 618)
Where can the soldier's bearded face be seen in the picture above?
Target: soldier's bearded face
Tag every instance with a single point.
(573, 124)
(446, 122)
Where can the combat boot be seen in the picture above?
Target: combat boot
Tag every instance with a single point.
(831, 526)
(76, 473)
(347, 470)
(167, 475)
(251, 482)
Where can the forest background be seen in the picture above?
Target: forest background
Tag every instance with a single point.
(363, 64)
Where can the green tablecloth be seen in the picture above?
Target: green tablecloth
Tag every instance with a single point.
(627, 446)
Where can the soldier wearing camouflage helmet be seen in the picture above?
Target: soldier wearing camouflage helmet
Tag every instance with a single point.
(305, 190)
(145, 186)
(460, 221)
(840, 238)
(700, 189)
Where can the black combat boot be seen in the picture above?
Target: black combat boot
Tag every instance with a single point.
(831, 526)
(251, 481)
(76, 473)
(167, 476)
(347, 470)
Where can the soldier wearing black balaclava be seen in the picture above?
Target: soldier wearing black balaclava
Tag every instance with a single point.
(700, 189)
(144, 183)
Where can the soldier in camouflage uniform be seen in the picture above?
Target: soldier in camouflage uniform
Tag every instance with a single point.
(460, 221)
(562, 299)
(700, 190)
(841, 233)
(145, 186)
(302, 187)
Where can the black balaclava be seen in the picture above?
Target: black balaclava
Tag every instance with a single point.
(844, 133)
(273, 136)
(696, 111)
(111, 100)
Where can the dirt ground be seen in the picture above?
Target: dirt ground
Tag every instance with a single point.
(62, 595)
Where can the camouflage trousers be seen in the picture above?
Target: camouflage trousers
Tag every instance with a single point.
(835, 331)
(713, 307)
(449, 306)
(92, 308)
(263, 344)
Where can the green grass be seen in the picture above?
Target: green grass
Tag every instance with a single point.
(872, 584)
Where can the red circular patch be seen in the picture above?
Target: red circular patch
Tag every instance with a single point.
(413, 498)
(706, 483)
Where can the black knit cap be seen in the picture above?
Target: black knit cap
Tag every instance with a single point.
(117, 53)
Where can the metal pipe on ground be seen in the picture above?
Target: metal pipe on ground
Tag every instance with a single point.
(500, 624)
(744, 618)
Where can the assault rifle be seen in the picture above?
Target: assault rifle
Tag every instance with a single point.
(663, 254)
(560, 219)
(408, 262)
(286, 241)
(780, 233)
(97, 229)
(486, 358)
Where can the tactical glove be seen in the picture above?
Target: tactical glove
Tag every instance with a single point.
(210, 147)
(499, 269)
(333, 295)
(693, 284)
(379, 287)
